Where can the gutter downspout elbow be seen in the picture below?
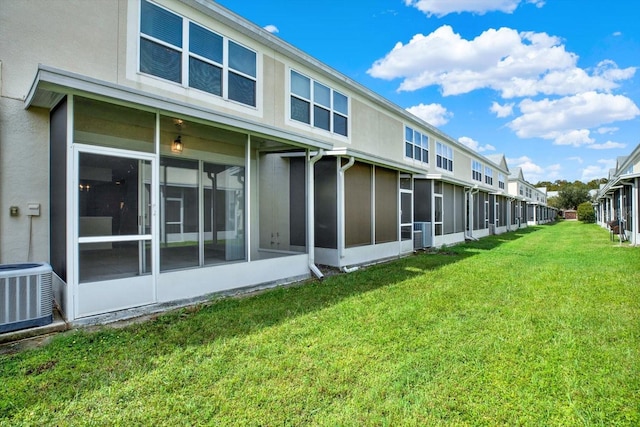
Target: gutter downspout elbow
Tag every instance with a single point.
(311, 215)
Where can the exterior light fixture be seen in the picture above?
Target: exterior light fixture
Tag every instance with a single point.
(177, 145)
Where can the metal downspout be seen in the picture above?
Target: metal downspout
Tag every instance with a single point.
(471, 192)
(341, 213)
(311, 214)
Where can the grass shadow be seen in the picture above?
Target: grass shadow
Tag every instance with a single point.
(80, 361)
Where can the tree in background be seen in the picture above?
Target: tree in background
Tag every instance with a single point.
(586, 212)
(573, 195)
(560, 184)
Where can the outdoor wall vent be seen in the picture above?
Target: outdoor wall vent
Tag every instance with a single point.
(26, 296)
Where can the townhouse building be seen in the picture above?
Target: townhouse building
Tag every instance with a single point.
(161, 151)
(617, 202)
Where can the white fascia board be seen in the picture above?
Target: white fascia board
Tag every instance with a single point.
(449, 179)
(56, 81)
(368, 158)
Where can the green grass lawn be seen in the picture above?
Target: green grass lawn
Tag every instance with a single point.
(537, 327)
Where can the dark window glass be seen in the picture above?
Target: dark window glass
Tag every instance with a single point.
(300, 110)
(340, 103)
(161, 24)
(160, 61)
(321, 117)
(408, 149)
(205, 43)
(425, 156)
(242, 89)
(408, 134)
(205, 76)
(300, 85)
(322, 95)
(242, 59)
(339, 124)
(416, 153)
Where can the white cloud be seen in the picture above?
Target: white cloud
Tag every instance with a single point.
(576, 137)
(566, 120)
(604, 130)
(601, 170)
(607, 145)
(533, 172)
(516, 64)
(441, 8)
(617, 33)
(434, 114)
(475, 145)
(272, 29)
(505, 110)
(577, 159)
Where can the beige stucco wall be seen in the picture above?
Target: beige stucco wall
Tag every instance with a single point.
(75, 35)
(24, 179)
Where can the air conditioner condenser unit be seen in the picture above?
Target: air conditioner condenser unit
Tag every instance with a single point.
(26, 296)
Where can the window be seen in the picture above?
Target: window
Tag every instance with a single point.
(488, 175)
(501, 181)
(444, 156)
(416, 145)
(195, 57)
(476, 170)
(318, 105)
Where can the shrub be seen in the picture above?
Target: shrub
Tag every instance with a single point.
(586, 212)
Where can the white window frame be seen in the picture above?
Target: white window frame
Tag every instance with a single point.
(422, 146)
(488, 175)
(476, 170)
(313, 103)
(501, 183)
(185, 54)
(444, 156)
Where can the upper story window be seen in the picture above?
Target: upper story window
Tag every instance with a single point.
(444, 156)
(416, 145)
(181, 51)
(501, 181)
(488, 175)
(521, 190)
(318, 105)
(476, 170)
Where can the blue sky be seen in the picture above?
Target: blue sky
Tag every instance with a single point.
(553, 85)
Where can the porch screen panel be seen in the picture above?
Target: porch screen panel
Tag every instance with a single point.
(492, 209)
(503, 211)
(422, 200)
(357, 183)
(297, 200)
(109, 125)
(179, 213)
(111, 193)
(223, 213)
(448, 208)
(58, 180)
(460, 208)
(387, 205)
(325, 190)
(479, 210)
(627, 199)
